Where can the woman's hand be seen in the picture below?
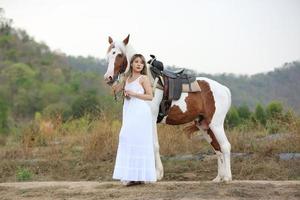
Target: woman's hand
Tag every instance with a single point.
(145, 82)
(129, 93)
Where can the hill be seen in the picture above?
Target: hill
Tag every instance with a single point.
(35, 79)
(282, 84)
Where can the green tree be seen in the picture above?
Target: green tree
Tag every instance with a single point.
(3, 116)
(274, 110)
(87, 104)
(5, 23)
(50, 93)
(244, 112)
(18, 75)
(232, 118)
(260, 114)
(61, 109)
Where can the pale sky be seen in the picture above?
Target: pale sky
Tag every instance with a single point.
(210, 36)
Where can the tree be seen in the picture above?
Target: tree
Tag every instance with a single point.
(19, 75)
(87, 104)
(3, 116)
(232, 118)
(260, 114)
(55, 110)
(5, 24)
(244, 112)
(274, 110)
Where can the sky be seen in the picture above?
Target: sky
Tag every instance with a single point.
(209, 36)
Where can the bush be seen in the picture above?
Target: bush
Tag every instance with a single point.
(23, 174)
(86, 105)
(272, 127)
(260, 114)
(52, 111)
(232, 118)
(244, 112)
(3, 117)
(31, 135)
(274, 110)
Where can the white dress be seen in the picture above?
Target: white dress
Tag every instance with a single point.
(135, 156)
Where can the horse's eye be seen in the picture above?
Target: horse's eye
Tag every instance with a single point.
(113, 52)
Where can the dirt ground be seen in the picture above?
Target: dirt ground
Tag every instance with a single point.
(164, 190)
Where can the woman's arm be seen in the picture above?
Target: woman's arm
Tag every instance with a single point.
(148, 90)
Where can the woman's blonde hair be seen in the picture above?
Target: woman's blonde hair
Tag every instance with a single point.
(144, 70)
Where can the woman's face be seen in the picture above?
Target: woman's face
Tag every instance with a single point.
(137, 65)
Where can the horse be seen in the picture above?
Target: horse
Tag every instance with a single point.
(206, 109)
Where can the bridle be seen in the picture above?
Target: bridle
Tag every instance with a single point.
(116, 77)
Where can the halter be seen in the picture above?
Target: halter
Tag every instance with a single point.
(117, 75)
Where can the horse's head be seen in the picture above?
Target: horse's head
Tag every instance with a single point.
(116, 59)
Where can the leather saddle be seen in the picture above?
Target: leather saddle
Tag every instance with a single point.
(173, 83)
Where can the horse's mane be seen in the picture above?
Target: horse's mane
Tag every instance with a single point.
(128, 50)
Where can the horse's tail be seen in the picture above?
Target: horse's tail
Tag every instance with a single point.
(190, 129)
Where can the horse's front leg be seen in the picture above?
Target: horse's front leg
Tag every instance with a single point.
(158, 163)
(155, 109)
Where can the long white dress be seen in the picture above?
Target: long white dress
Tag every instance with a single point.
(135, 156)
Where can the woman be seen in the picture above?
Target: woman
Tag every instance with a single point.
(135, 163)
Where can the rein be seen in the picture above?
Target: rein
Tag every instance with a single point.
(116, 77)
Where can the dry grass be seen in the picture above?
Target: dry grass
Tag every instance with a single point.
(84, 150)
(263, 143)
(102, 142)
(173, 141)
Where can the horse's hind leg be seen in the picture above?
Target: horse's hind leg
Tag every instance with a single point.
(224, 167)
(210, 138)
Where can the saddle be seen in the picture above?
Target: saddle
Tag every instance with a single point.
(173, 84)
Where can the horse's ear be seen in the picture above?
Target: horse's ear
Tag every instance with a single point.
(126, 40)
(110, 40)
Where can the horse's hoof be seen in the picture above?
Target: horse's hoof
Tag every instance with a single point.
(227, 179)
(217, 179)
(159, 175)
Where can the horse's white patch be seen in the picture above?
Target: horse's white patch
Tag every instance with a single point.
(163, 121)
(181, 102)
(219, 153)
(222, 97)
(111, 57)
(207, 137)
(154, 104)
(120, 46)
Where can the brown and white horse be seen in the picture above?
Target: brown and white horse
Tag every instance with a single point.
(207, 108)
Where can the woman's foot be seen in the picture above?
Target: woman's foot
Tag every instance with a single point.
(131, 183)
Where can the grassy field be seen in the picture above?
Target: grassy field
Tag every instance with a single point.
(83, 150)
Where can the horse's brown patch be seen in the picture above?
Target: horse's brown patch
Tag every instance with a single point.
(120, 62)
(208, 100)
(214, 143)
(198, 103)
(194, 107)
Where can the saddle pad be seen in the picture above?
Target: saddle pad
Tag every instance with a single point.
(194, 86)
